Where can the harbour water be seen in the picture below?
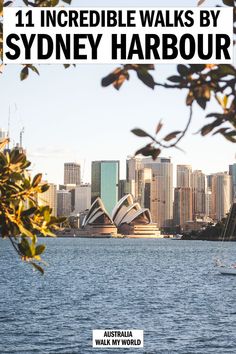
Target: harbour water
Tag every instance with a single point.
(170, 289)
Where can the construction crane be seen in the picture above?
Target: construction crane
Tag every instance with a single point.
(21, 137)
(8, 126)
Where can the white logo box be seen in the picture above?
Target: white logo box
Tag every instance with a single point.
(111, 338)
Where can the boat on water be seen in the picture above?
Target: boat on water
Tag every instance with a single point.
(225, 269)
(228, 234)
(177, 237)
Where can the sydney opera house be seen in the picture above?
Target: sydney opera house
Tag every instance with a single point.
(132, 220)
(98, 222)
(128, 218)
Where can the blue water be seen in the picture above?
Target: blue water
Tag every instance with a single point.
(167, 288)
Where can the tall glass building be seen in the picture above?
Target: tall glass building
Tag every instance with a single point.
(232, 172)
(105, 182)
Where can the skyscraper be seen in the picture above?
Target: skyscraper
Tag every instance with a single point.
(63, 203)
(82, 198)
(143, 186)
(3, 134)
(161, 190)
(105, 182)
(182, 206)
(184, 176)
(49, 198)
(133, 176)
(71, 173)
(133, 164)
(126, 187)
(221, 195)
(199, 188)
(232, 172)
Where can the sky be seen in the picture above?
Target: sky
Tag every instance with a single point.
(68, 116)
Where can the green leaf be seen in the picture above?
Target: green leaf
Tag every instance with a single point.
(24, 230)
(40, 249)
(3, 143)
(37, 267)
(112, 77)
(26, 248)
(140, 132)
(37, 179)
(44, 188)
(29, 211)
(54, 2)
(34, 69)
(46, 215)
(226, 69)
(220, 131)
(7, 3)
(24, 73)
(146, 78)
(183, 70)
(172, 135)
(159, 126)
(175, 78)
(228, 2)
(149, 150)
(202, 102)
(196, 68)
(207, 129)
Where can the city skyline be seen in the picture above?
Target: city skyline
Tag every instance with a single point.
(84, 168)
(78, 120)
(192, 202)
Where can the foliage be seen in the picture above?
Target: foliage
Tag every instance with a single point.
(21, 218)
(209, 233)
(21, 222)
(201, 82)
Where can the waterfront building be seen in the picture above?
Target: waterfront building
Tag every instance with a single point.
(134, 176)
(209, 181)
(72, 173)
(105, 182)
(143, 187)
(184, 173)
(133, 164)
(221, 195)
(3, 134)
(232, 172)
(63, 203)
(199, 189)
(209, 210)
(182, 206)
(82, 198)
(161, 204)
(126, 187)
(71, 189)
(49, 198)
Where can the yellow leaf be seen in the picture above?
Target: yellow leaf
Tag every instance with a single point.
(225, 101)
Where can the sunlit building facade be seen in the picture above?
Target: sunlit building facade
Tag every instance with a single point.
(63, 203)
(105, 183)
(72, 173)
(182, 206)
(49, 198)
(161, 201)
(221, 195)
